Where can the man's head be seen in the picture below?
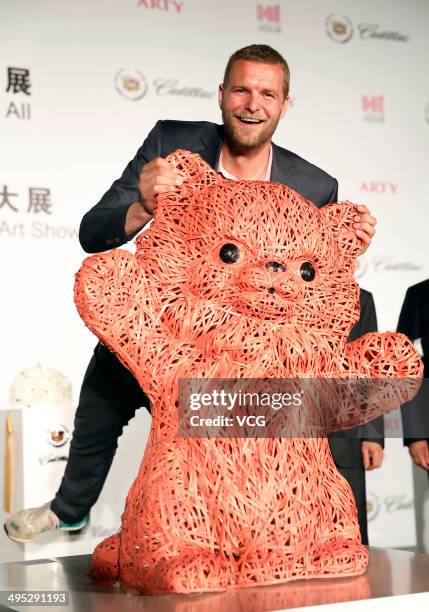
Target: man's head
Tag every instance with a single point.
(262, 54)
(253, 96)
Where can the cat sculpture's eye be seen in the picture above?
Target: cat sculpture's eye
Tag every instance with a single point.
(229, 253)
(307, 271)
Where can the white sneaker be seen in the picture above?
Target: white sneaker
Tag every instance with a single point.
(27, 525)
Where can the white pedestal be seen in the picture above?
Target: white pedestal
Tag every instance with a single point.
(36, 479)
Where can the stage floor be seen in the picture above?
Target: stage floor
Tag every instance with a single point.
(390, 573)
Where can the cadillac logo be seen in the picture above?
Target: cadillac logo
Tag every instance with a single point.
(339, 28)
(372, 506)
(131, 83)
(58, 436)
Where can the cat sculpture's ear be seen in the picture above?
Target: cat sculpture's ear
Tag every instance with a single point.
(340, 217)
(192, 168)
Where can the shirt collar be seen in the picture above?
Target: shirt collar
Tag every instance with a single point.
(231, 177)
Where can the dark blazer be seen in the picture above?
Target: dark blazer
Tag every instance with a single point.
(103, 226)
(346, 445)
(414, 323)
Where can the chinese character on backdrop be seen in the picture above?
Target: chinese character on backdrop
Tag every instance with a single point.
(18, 79)
(4, 198)
(39, 200)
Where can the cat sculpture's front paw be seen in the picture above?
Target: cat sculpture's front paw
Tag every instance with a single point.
(191, 570)
(104, 561)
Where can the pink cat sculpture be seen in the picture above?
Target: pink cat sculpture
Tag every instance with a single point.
(236, 280)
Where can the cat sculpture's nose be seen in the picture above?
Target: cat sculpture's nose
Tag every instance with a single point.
(275, 266)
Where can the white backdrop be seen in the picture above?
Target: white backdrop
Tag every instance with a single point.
(101, 72)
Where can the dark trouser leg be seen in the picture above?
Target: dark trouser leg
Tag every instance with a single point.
(108, 400)
(356, 479)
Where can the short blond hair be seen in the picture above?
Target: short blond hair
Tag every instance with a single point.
(263, 54)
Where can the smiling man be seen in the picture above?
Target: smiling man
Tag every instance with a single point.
(253, 98)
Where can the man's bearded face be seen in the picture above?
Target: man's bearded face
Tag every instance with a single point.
(252, 103)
